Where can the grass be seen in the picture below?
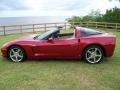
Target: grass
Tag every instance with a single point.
(60, 74)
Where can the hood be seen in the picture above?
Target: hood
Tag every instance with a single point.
(29, 38)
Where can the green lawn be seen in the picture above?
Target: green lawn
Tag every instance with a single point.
(60, 74)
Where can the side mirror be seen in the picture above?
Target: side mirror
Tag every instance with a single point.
(50, 39)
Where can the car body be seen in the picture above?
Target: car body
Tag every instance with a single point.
(53, 45)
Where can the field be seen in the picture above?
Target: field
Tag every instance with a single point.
(60, 74)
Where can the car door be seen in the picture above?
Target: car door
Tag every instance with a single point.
(57, 47)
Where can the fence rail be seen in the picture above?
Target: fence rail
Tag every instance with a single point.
(14, 29)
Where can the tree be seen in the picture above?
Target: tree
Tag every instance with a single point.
(87, 18)
(94, 15)
(74, 19)
(112, 15)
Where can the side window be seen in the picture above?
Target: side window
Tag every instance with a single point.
(87, 32)
(83, 33)
(55, 35)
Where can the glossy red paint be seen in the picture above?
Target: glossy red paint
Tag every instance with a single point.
(66, 48)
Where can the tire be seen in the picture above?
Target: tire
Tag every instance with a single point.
(93, 54)
(16, 54)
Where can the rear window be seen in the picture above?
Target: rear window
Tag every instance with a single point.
(87, 32)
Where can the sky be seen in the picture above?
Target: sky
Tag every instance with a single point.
(23, 8)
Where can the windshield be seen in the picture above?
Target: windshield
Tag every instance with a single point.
(45, 35)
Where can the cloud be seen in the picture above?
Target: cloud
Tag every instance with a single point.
(54, 7)
(55, 4)
(12, 5)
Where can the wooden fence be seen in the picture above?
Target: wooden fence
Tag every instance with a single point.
(14, 29)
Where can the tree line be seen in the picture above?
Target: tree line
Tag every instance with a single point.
(111, 15)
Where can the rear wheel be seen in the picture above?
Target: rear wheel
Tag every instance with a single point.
(93, 54)
(16, 54)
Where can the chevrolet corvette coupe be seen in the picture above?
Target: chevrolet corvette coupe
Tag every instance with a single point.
(91, 45)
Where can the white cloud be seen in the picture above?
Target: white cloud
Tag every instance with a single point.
(53, 7)
(70, 4)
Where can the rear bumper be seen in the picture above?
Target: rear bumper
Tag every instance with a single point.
(4, 52)
(109, 50)
(110, 47)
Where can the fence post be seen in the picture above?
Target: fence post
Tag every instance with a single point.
(96, 25)
(65, 26)
(55, 24)
(45, 28)
(72, 25)
(33, 28)
(105, 25)
(116, 26)
(86, 24)
(4, 30)
(80, 24)
(21, 29)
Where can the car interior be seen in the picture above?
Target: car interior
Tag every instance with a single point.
(60, 35)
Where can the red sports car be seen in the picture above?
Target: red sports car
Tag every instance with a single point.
(91, 45)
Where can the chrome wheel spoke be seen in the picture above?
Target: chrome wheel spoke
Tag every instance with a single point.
(16, 57)
(89, 52)
(18, 51)
(95, 50)
(90, 57)
(13, 51)
(12, 56)
(94, 59)
(20, 56)
(98, 55)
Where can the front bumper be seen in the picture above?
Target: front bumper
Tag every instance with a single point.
(4, 52)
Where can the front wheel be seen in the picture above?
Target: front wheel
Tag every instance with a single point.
(16, 54)
(93, 54)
